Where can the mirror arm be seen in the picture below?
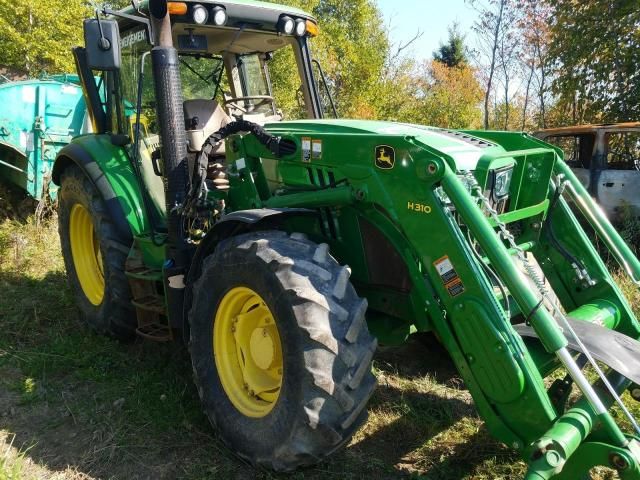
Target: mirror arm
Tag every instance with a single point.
(143, 20)
(104, 43)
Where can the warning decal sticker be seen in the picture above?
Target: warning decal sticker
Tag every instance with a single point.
(316, 149)
(449, 276)
(306, 149)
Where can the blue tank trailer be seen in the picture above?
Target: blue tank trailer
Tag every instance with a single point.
(37, 118)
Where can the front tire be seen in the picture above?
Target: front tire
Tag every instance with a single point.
(94, 256)
(267, 303)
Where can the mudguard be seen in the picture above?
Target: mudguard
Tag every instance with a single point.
(109, 168)
(618, 351)
(239, 222)
(235, 223)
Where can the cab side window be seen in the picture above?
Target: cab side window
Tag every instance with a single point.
(136, 62)
(623, 152)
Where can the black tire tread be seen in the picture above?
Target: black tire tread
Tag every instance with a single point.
(115, 317)
(328, 309)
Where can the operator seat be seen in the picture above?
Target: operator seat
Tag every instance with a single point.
(202, 118)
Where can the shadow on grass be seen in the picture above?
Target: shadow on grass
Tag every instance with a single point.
(92, 407)
(88, 403)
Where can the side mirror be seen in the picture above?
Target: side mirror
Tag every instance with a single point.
(102, 43)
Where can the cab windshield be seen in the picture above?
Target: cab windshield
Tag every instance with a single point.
(201, 76)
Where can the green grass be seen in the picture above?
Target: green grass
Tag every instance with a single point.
(12, 463)
(80, 406)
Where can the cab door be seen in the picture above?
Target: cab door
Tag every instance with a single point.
(619, 181)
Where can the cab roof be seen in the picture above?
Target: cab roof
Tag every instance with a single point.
(261, 15)
(577, 129)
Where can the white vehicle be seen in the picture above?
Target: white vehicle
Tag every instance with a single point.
(606, 159)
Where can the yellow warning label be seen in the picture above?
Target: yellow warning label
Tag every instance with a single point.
(449, 276)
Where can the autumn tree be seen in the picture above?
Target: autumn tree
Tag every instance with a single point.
(490, 27)
(535, 35)
(449, 97)
(36, 37)
(596, 50)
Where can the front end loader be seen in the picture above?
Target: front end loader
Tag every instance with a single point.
(283, 250)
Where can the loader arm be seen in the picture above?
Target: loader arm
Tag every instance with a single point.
(472, 269)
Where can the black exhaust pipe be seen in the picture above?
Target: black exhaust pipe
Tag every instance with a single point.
(173, 148)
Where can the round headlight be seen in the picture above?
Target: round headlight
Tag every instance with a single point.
(286, 25)
(200, 14)
(219, 16)
(301, 28)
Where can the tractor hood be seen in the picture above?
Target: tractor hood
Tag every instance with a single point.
(461, 148)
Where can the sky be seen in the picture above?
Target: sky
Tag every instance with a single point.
(431, 17)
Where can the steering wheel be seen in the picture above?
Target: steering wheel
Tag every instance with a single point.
(262, 100)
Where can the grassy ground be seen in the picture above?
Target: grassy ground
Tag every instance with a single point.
(74, 405)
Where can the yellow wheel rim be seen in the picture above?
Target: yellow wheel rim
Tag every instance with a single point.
(247, 352)
(85, 250)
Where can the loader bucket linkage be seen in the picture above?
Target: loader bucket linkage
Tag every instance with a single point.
(550, 453)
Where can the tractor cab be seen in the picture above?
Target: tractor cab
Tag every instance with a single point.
(225, 50)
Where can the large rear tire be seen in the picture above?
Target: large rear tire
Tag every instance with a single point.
(280, 349)
(94, 256)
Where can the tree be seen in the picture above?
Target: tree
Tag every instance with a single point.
(353, 48)
(534, 33)
(454, 52)
(596, 50)
(507, 54)
(36, 37)
(490, 27)
(450, 97)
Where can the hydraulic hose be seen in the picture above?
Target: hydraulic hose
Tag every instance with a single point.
(548, 223)
(277, 145)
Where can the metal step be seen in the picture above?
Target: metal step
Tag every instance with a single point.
(155, 332)
(144, 273)
(151, 303)
(146, 289)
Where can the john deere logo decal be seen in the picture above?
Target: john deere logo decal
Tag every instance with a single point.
(385, 157)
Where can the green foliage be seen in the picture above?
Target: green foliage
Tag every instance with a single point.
(11, 466)
(369, 81)
(451, 97)
(352, 47)
(453, 53)
(596, 48)
(36, 37)
(628, 223)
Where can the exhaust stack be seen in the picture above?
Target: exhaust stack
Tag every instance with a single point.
(173, 147)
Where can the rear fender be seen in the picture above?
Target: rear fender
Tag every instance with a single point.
(109, 168)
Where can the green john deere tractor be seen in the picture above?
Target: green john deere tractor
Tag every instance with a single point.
(282, 251)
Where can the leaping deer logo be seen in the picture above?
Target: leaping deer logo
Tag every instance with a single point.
(385, 157)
